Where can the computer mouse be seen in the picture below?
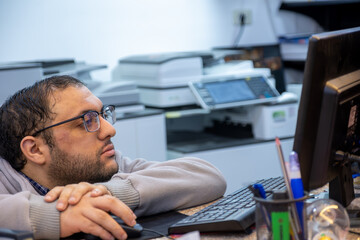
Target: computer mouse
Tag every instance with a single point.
(132, 232)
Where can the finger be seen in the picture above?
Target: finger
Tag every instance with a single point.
(115, 206)
(53, 194)
(64, 197)
(106, 222)
(90, 227)
(78, 191)
(99, 191)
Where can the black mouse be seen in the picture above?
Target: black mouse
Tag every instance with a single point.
(132, 232)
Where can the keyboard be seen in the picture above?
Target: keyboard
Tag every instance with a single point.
(235, 212)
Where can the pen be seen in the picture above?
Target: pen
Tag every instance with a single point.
(296, 184)
(257, 193)
(294, 212)
(260, 188)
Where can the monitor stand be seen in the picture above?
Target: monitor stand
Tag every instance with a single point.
(341, 189)
(354, 213)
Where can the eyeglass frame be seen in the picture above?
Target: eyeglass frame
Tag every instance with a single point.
(83, 117)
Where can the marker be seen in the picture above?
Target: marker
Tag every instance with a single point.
(296, 184)
(280, 219)
(280, 225)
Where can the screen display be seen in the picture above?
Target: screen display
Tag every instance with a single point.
(229, 91)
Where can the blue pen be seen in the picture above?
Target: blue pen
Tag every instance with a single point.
(296, 184)
(261, 190)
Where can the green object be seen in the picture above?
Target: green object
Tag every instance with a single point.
(280, 225)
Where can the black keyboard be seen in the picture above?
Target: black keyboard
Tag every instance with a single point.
(235, 212)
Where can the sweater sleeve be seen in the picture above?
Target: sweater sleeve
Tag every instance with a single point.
(173, 184)
(123, 190)
(29, 212)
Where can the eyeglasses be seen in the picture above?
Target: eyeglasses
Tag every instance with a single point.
(91, 119)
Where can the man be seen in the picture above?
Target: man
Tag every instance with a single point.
(60, 173)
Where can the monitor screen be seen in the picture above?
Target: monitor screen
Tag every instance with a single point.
(328, 112)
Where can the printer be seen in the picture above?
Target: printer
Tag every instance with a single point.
(189, 80)
(173, 81)
(17, 75)
(163, 79)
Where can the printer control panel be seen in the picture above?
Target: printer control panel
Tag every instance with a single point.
(232, 91)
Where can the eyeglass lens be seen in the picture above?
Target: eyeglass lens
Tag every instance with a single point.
(109, 114)
(92, 121)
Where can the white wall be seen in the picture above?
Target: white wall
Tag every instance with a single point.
(104, 31)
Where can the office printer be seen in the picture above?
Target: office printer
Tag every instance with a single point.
(163, 78)
(246, 98)
(124, 95)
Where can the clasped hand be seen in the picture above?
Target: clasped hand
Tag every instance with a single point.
(85, 208)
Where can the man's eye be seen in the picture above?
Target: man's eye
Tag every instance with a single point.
(88, 121)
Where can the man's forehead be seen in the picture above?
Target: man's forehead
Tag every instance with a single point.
(73, 100)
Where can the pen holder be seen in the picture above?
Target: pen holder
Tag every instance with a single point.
(279, 218)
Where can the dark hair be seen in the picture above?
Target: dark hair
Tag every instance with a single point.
(25, 112)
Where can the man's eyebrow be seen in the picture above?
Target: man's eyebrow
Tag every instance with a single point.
(88, 110)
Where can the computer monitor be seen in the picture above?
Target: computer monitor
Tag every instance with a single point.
(327, 132)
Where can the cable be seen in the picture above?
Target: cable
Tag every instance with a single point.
(353, 232)
(271, 20)
(241, 29)
(153, 231)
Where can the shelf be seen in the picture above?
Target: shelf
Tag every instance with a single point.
(331, 15)
(296, 4)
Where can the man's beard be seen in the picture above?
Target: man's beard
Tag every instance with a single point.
(69, 169)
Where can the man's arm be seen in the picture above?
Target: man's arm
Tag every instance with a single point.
(169, 185)
(23, 209)
(27, 211)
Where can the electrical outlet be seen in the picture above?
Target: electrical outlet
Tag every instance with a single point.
(247, 15)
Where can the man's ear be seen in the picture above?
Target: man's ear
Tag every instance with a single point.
(34, 149)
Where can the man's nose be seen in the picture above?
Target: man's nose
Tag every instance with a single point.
(106, 129)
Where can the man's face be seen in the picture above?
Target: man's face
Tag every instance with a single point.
(78, 155)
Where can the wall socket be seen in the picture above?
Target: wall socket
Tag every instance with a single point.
(247, 16)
